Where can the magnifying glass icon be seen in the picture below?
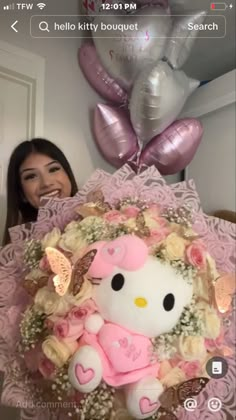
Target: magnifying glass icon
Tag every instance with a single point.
(43, 26)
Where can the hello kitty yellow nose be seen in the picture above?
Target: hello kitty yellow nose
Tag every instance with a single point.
(140, 302)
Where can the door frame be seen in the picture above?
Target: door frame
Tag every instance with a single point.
(26, 68)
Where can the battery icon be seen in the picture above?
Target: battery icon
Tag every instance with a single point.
(218, 6)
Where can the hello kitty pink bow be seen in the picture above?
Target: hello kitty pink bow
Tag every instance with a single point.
(128, 252)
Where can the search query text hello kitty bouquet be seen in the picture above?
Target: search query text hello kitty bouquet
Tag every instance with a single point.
(116, 300)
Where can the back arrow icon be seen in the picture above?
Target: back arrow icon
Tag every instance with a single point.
(13, 26)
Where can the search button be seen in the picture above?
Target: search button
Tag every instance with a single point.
(43, 26)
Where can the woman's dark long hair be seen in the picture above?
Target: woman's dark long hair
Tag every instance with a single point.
(19, 211)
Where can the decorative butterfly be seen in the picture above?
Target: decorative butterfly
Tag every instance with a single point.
(32, 286)
(68, 277)
(175, 396)
(222, 290)
(95, 206)
(142, 229)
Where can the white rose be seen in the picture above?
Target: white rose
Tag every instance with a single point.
(174, 377)
(51, 239)
(58, 351)
(211, 321)
(191, 348)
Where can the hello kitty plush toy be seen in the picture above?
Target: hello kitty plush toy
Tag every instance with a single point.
(138, 298)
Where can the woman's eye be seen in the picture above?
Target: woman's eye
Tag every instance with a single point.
(29, 176)
(54, 169)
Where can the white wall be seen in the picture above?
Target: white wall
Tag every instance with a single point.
(213, 167)
(69, 100)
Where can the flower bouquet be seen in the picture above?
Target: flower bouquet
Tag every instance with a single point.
(114, 302)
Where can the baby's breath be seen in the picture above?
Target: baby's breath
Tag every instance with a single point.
(181, 215)
(115, 231)
(187, 271)
(95, 230)
(31, 327)
(61, 385)
(98, 404)
(189, 324)
(33, 253)
(135, 201)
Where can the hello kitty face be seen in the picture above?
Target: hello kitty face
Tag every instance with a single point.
(147, 301)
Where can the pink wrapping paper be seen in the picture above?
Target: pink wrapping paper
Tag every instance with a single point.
(218, 234)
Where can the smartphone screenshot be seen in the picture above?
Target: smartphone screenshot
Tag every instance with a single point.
(150, 83)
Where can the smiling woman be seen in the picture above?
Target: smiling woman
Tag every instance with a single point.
(36, 168)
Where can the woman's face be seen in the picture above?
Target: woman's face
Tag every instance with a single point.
(42, 176)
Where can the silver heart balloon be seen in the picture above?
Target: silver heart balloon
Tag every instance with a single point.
(125, 52)
(157, 98)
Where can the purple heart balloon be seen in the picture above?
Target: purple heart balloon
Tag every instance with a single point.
(98, 77)
(173, 149)
(114, 134)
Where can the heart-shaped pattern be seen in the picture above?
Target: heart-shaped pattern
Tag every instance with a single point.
(113, 254)
(91, 6)
(157, 98)
(83, 375)
(146, 406)
(97, 76)
(112, 251)
(125, 352)
(114, 134)
(173, 149)
(125, 53)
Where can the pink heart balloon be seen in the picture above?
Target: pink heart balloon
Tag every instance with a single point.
(97, 76)
(114, 134)
(173, 149)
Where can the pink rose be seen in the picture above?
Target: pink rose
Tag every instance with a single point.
(81, 312)
(61, 328)
(211, 344)
(131, 211)
(156, 236)
(191, 369)
(44, 264)
(71, 327)
(196, 255)
(69, 330)
(46, 368)
(154, 209)
(161, 221)
(114, 216)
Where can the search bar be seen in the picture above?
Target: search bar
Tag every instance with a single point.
(75, 26)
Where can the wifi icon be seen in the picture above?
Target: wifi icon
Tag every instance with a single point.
(41, 6)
